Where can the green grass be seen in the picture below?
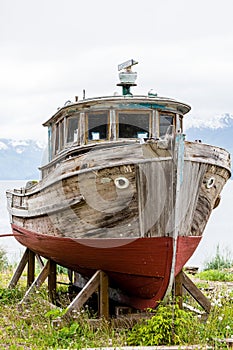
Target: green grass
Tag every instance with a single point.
(216, 275)
(31, 327)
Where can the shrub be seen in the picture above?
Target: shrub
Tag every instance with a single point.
(219, 261)
(170, 325)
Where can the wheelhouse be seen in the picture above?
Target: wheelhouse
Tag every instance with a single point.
(106, 120)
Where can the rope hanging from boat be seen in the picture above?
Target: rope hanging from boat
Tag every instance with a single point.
(9, 235)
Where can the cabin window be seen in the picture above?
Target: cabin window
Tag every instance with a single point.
(59, 136)
(165, 123)
(97, 126)
(133, 125)
(72, 129)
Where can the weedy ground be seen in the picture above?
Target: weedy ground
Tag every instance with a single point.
(31, 327)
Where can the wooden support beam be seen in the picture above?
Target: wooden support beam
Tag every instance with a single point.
(98, 280)
(31, 268)
(91, 286)
(103, 296)
(179, 289)
(52, 280)
(37, 283)
(18, 272)
(28, 259)
(40, 261)
(183, 281)
(196, 293)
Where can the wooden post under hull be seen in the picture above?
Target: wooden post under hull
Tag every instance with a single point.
(183, 281)
(98, 282)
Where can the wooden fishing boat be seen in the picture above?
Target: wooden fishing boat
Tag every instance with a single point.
(122, 192)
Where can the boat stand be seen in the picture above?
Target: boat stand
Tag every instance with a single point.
(98, 282)
(182, 281)
(47, 270)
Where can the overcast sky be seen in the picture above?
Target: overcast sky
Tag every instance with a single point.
(53, 49)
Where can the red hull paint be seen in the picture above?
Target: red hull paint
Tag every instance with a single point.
(139, 267)
(186, 246)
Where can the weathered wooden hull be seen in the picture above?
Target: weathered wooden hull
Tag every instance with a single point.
(140, 267)
(119, 209)
(86, 203)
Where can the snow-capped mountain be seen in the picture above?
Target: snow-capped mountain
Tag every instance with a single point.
(20, 159)
(217, 131)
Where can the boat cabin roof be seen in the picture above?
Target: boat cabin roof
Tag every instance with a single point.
(148, 102)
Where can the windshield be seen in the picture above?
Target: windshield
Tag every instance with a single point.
(133, 125)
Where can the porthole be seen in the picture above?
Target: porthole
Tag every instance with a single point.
(210, 182)
(121, 182)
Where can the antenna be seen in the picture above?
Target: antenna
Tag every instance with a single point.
(127, 65)
(127, 77)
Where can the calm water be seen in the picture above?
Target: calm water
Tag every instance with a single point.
(9, 244)
(219, 230)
